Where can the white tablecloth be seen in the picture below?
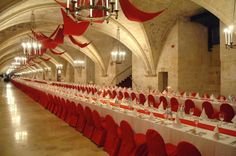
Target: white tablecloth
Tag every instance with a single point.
(206, 143)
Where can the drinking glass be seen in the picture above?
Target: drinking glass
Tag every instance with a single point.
(191, 111)
(221, 117)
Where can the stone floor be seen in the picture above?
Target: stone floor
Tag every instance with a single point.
(26, 129)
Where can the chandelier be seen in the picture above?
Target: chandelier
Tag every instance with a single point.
(118, 56)
(229, 31)
(79, 63)
(21, 60)
(31, 47)
(92, 10)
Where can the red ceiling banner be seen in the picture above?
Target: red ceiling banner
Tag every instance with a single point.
(81, 45)
(73, 28)
(134, 14)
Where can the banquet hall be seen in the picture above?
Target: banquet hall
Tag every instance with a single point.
(118, 77)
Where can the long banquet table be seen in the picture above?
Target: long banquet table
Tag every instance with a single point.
(204, 139)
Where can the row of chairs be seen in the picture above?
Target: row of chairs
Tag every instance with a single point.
(116, 140)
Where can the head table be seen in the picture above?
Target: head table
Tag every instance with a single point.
(179, 127)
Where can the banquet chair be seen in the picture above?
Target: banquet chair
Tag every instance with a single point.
(221, 97)
(120, 95)
(56, 105)
(182, 93)
(89, 126)
(130, 142)
(133, 96)
(163, 100)
(64, 110)
(59, 107)
(114, 94)
(228, 111)
(193, 94)
(99, 133)
(50, 102)
(156, 145)
(73, 115)
(152, 101)
(208, 109)
(174, 104)
(110, 93)
(188, 104)
(126, 95)
(82, 119)
(112, 141)
(206, 95)
(187, 149)
(142, 98)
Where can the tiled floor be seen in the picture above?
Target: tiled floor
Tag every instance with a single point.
(26, 129)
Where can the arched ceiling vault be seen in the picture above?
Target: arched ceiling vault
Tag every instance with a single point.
(133, 35)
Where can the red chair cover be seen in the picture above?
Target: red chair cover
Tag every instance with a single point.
(156, 145)
(127, 139)
(74, 115)
(99, 134)
(221, 97)
(89, 126)
(82, 120)
(164, 101)
(206, 95)
(228, 111)
(142, 98)
(187, 149)
(120, 95)
(114, 94)
(152, 101)
(127, 96)
(133, 96)
(193, 94)
(208, 109)
(188, 105)
(174, 104)
(112, 141)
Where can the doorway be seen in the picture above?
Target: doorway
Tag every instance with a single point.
(162, 80)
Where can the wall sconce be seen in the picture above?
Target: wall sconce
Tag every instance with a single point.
(59, 66)
(47, 69)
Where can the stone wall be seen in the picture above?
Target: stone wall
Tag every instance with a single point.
(228, 67)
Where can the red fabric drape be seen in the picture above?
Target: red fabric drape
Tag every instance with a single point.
(134, 14)
(56, 53)
(73, 28)
(55, 32)
(81, 45)
(99, 13)
(59, 39)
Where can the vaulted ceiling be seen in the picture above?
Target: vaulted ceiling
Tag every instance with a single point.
(144, 40)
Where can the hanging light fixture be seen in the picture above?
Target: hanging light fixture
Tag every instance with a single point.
(79, 63)
(21, 60)
(31, 47)
(118, 56)
(92, 10)
(229, 31)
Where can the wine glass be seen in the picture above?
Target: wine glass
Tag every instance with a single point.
(191, 111)
(221, 117)
(196, 122)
